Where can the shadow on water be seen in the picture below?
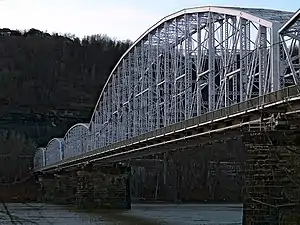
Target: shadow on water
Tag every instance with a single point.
(118, 217)
(174, 214)
(140, 214)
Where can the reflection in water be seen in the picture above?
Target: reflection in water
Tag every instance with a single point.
(144, 214)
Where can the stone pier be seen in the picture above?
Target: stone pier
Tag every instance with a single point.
(272, 178)
(88, 187)
(58, 188)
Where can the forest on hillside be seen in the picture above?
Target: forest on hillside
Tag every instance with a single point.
(53, 77)
(48, 82)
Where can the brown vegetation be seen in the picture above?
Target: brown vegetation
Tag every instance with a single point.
(16, 178)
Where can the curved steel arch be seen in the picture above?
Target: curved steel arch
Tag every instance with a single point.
(189, 63)
(85, 125)
(54, 151)
(76, 140)
(39, 158)
(256, 15)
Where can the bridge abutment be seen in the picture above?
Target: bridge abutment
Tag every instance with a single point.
(66, 184)
(47, 187)
(88, 187)
(272, 178)
(103, 187)
(58, 188)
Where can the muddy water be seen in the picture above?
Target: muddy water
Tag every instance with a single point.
(141, 214)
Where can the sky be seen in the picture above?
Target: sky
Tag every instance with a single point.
(120, 19)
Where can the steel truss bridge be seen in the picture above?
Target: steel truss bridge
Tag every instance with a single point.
(193, 75)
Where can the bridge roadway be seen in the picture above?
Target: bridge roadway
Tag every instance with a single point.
(231, 121)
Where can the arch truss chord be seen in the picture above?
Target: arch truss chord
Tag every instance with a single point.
(290, 51)
(76, 140)
(39, 158)
(189, 63)
(54, 151)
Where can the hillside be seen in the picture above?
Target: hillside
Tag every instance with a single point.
(49, 82)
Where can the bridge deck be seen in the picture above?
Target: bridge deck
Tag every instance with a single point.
(224, 121)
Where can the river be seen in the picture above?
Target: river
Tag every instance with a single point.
(140, 214)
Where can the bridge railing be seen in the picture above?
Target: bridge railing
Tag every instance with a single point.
(251, 104)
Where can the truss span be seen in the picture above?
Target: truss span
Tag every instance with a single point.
(190, 64)
(54, 151)
(289, 35)
(39, 158)
(76, 140)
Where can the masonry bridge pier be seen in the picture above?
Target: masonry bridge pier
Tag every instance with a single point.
(88, 186)
(198, 77)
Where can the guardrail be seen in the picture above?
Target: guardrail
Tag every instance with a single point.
(210, 116)
(250, 104)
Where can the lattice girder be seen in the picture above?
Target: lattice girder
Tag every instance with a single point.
(290, 51)
(77, 140)
(54, 151)
(188, 64)
(39, 158)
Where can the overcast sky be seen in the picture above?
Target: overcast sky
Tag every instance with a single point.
(122, 19)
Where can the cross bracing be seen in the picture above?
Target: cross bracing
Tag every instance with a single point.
(54, 151)
(190, 63)
(289, 35)
(76, 140)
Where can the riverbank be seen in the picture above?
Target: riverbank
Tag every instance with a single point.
(140, 214)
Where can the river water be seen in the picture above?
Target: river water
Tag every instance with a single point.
(140, 214)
